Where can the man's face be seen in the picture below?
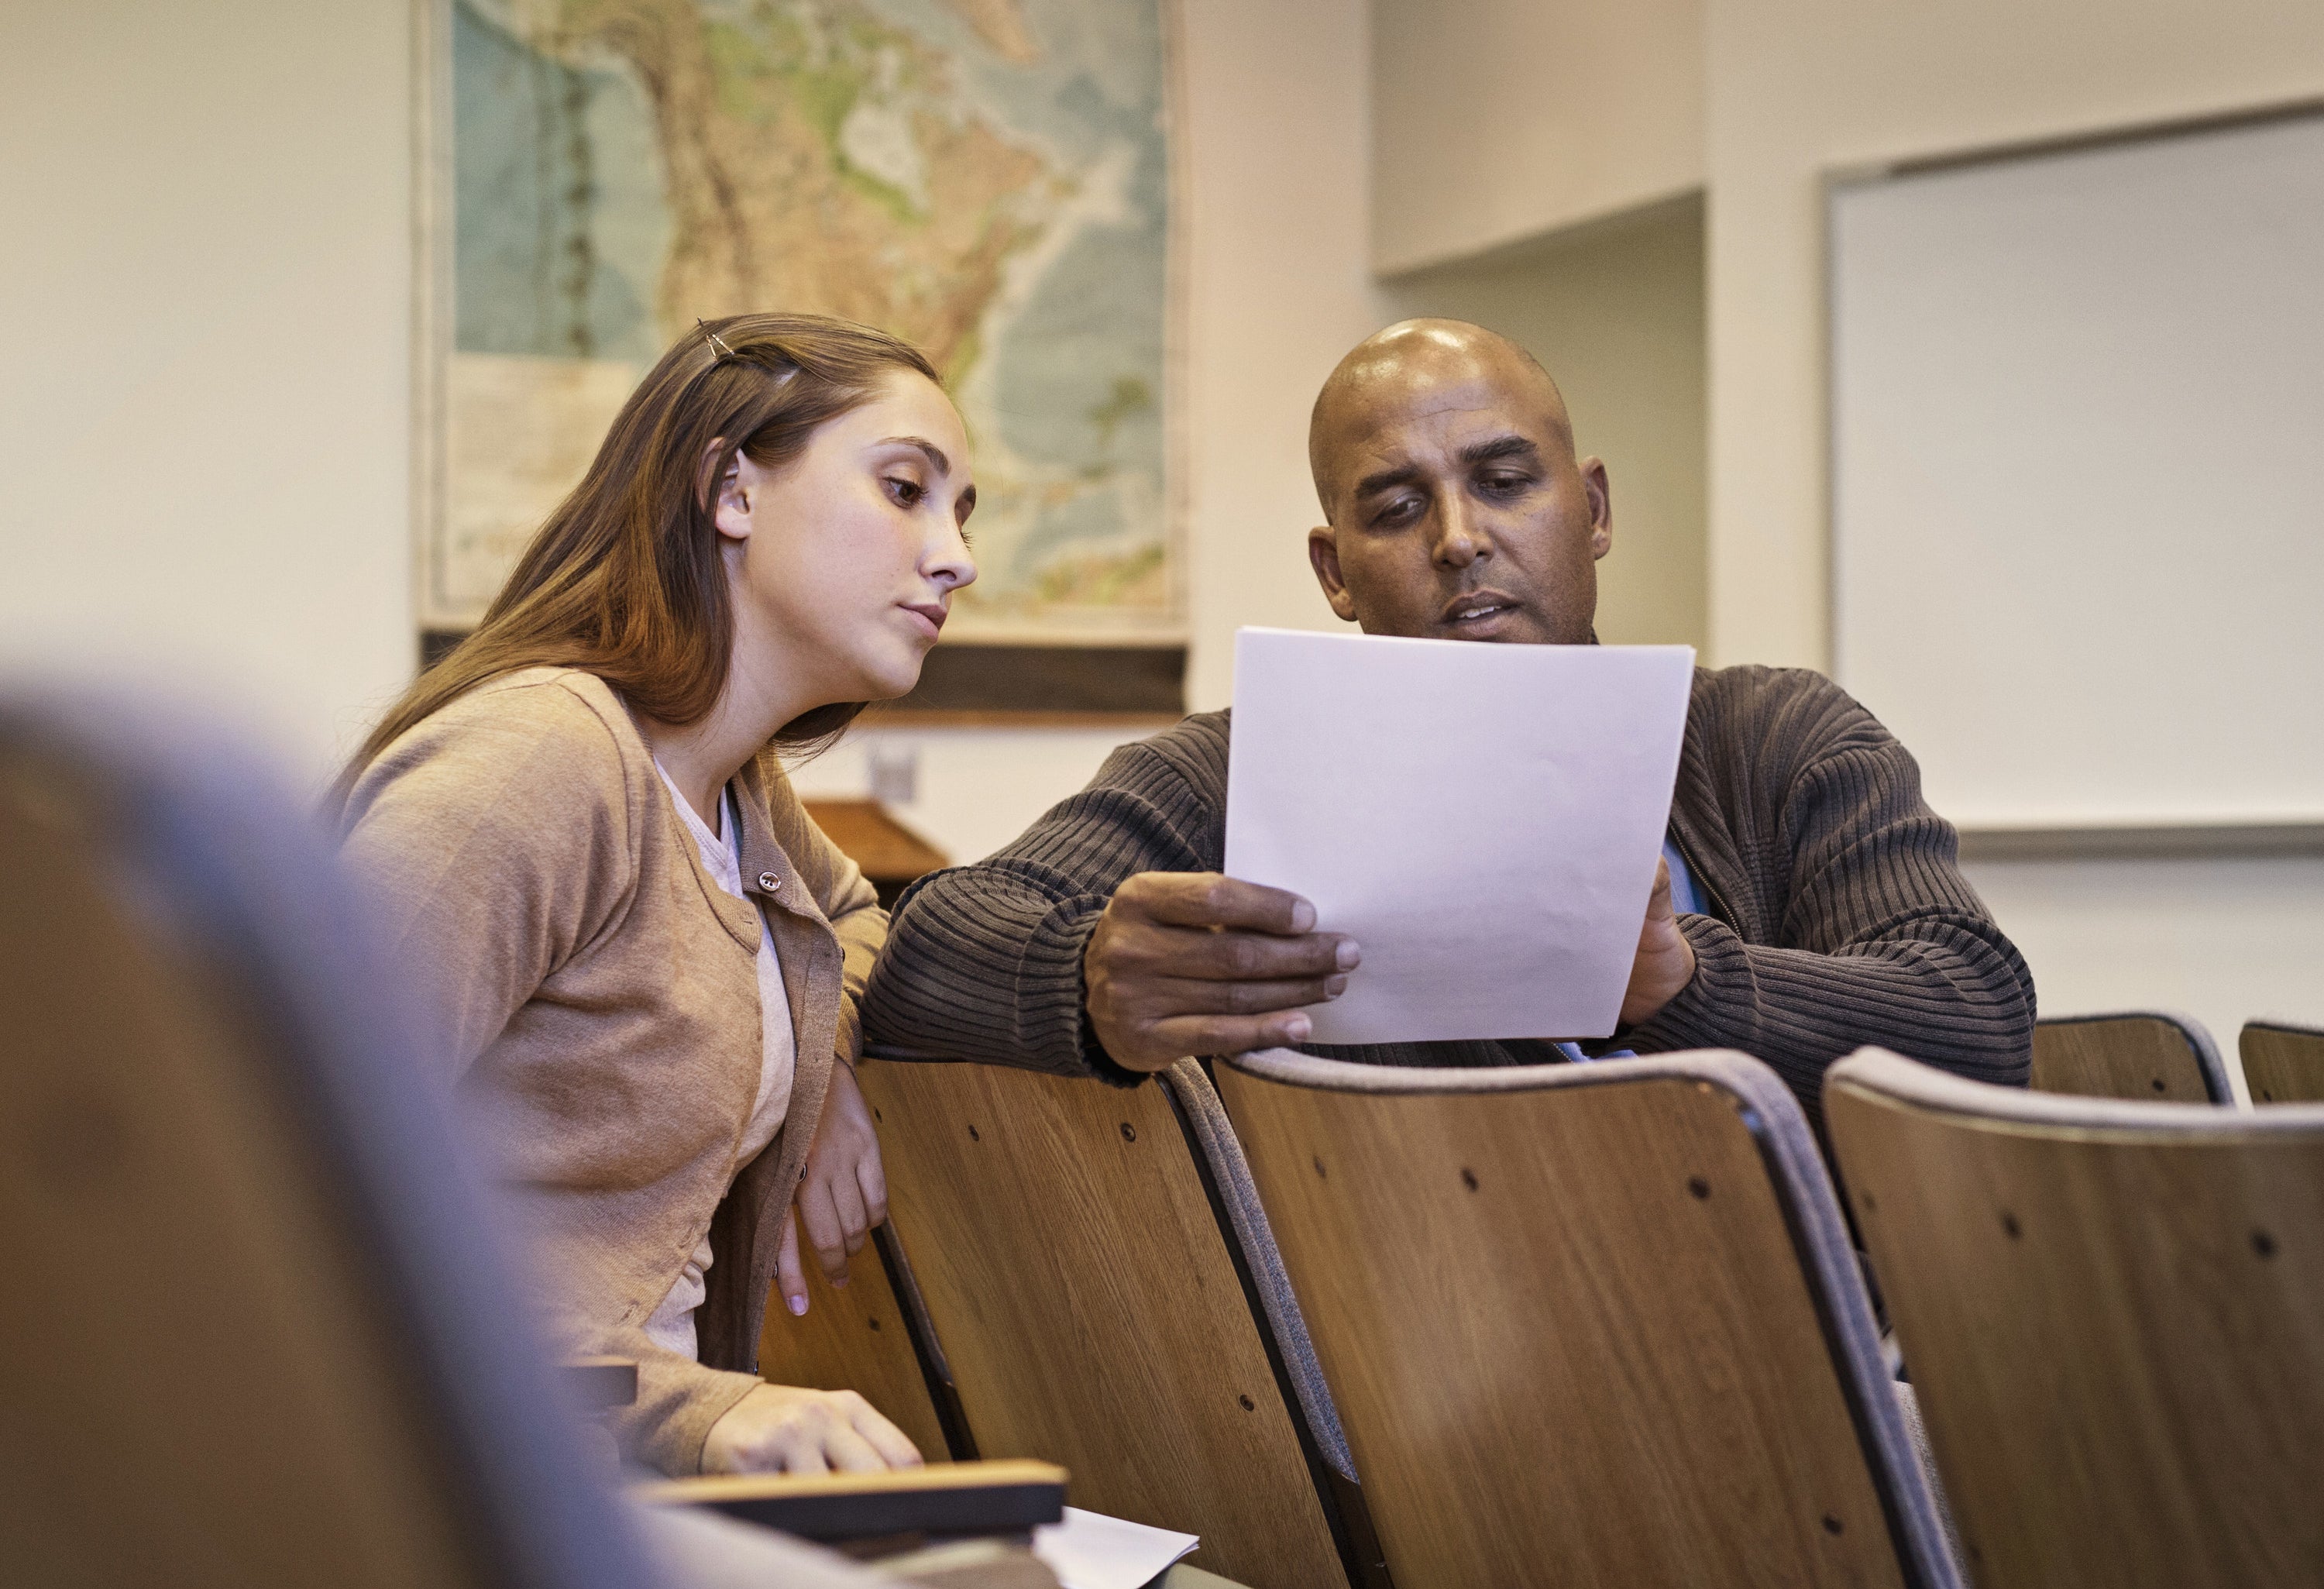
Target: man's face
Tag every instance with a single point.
(1458, 509)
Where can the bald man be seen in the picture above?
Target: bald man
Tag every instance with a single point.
(1808, 903)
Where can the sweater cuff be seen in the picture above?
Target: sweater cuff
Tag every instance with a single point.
(1701, 1014)
(678, 1402)
(848, 1046)
(1052, 995)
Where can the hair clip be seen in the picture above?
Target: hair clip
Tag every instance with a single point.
(717, 343)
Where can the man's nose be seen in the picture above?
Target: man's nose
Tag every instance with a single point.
(1459, 539)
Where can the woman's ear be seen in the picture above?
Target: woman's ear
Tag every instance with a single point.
(730, 504)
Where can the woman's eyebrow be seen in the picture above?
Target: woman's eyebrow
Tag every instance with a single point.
(936, 454)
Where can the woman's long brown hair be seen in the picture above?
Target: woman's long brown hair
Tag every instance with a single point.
(625, 579)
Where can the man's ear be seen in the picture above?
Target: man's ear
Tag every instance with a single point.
(730, 503)
(1602, 506)
(1324, 557)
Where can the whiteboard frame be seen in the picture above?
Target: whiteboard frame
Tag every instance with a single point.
(2295, 834)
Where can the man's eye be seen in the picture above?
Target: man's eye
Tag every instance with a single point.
(1402, 511)
(907, 492)
(1507, 484)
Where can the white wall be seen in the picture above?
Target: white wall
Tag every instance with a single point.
(1277, 147)
(2222, 939)
(1499, 119)
(204, 301)
(1797, 87)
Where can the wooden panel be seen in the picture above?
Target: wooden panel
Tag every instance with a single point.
(964, 684)
(200, 1390)
(871, 837)
(1091, 1311)
(2117, 1057)
(2176, 842)
(2283, 1064)
(855, 1338)
(2118, 1345)
(966, 677)
(1568, 1335)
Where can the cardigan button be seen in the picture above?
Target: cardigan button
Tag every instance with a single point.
(769, 882)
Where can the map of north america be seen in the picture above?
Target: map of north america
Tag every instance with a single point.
(989, 179)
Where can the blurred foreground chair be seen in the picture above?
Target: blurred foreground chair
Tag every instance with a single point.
(1589, 1324)
(2146, 1054)
(254, 1331)
(2283, 1061)
(2115, 1316)
(1105, 1295)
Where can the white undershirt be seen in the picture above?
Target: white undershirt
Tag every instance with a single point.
(672, 1324)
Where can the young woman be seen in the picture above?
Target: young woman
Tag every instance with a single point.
(638, 959)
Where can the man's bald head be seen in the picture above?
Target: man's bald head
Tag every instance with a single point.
(1406, 365)
(1455, 506)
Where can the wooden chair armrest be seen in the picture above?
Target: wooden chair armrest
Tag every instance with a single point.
(1011, 1497)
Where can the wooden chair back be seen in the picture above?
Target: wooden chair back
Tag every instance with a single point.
(254, 1334)
(1589, 1324)
(1088, 1299)
(869, 1336)
(2283, 1061)
(2114, 1314)
(2151, 1055)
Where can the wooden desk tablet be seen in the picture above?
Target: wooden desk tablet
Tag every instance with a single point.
(1011, 1497)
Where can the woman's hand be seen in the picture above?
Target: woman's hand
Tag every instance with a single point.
(844, 1194)
(782, 1429)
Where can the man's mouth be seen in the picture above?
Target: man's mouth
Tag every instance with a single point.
(1476, 607)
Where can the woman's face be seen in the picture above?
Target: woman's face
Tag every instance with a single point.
(843, 563)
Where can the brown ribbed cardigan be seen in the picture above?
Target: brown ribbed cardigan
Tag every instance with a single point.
(590, 994)
(1837, 916)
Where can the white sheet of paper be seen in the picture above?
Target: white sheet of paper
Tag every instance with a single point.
(1090, 1550)
(1484, 819)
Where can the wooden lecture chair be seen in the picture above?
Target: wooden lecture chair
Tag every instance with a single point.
(2283, 1061)
(2153, 1055)
(1106, 1297)
(260, 1323)
(2115, 1316)
(870, 1336)
(1589, 1324)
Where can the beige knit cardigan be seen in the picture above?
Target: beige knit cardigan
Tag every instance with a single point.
(588, 994)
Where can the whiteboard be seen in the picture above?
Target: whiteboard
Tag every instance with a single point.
(2076, 405)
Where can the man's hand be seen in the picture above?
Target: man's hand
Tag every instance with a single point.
(1665, 962)
(843, 1194)
(1194, 963)
(781, 1429)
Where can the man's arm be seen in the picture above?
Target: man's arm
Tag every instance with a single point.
(1104, 942)
(1881, 939)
